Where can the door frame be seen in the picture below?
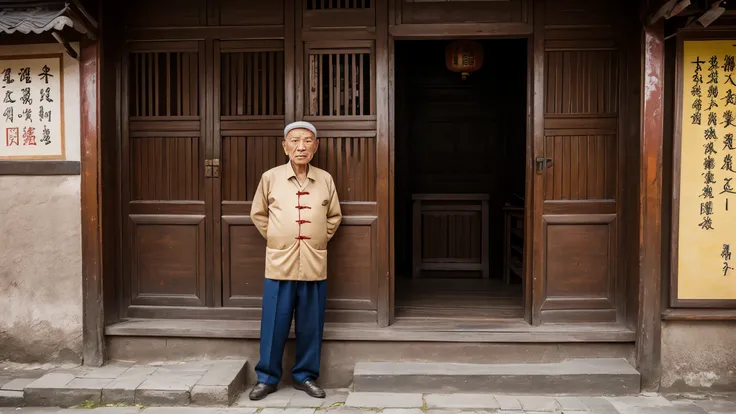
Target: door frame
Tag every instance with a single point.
(534, 116)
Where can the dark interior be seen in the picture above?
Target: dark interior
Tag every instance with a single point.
(456, 136)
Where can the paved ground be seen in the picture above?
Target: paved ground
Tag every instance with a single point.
(173, 383)
(158, 385)
(288, 401)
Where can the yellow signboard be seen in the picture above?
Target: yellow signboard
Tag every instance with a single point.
(31, 110)
(706, 248)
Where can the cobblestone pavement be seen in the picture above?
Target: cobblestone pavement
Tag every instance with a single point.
(288, 401)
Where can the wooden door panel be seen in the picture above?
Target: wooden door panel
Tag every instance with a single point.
(581, 263)
(244, 262)
(168, 260)
(352, 163)
(583, 167)
(165, 250)
(576, 242)
(336, 13)
(250, 12)
(165, 169)
(351, 258)
(581, 82)
(244, 160)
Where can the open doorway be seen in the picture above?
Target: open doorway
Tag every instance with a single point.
(460, 162)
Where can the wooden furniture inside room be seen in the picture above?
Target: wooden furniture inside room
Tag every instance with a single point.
(450, 233)
(513, 259)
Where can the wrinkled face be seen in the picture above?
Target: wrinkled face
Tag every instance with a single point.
(300, 145)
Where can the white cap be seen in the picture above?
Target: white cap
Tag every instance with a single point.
(298, 125)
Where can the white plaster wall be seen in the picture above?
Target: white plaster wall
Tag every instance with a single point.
(698, 356)
(40, 247)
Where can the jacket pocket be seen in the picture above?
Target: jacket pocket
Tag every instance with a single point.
(315, 265)
(281, 263)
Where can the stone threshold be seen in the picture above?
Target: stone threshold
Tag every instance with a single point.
(512, 331)
(199, 383)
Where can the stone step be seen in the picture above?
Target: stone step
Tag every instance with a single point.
(211, 383)
(600, 376)
(11, 398)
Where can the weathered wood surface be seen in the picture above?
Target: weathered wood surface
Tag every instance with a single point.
(648, 344)
(509, 332)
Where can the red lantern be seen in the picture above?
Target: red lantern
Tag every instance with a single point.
(464, 56)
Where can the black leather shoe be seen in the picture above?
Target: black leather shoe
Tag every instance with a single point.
(311, 388)
(260, 391)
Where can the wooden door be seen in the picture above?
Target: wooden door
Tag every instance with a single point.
(249, 108)
(576, 155)
(203, 119)
(165, 205)
(249, 112)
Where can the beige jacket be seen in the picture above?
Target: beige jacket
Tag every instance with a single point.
(296, 221)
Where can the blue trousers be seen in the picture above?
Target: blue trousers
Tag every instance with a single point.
(306, 302)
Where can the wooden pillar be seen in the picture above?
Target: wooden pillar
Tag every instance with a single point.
(648, 341)
(93, 322)
(382, 164)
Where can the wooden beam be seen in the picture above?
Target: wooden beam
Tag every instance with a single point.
(93, 323)
(663, 11)
(439, 31)
(699, 314)
(39, 168)
(648, 346)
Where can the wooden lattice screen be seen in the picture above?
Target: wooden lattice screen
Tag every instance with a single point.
(252, 83)
(163, 84)
(340, 83)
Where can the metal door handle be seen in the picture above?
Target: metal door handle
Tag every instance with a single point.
(212, 168)
(542, 163)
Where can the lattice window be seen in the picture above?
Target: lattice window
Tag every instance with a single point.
(252, 83)
(340, 83)
(338, 4)
(163, 84)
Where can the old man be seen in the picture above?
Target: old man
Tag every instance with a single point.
(297, 211)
